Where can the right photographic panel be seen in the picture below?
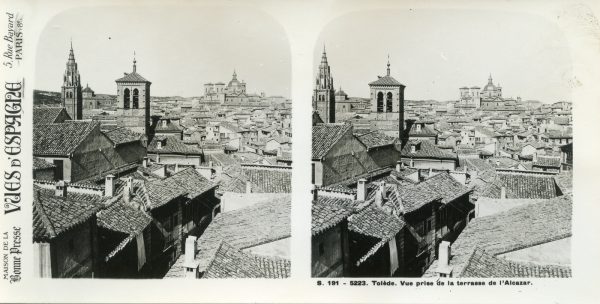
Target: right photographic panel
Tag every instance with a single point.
(441, 146)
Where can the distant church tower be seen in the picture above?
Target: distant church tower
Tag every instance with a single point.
(72, 99)
(133, 101)
(387, 105)
(324, 92)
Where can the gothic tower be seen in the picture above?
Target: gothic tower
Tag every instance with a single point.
(324, 92)
(72, 99)
(133, 101)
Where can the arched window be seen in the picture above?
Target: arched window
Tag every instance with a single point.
(136, 99)
(388, 102)
(126, 99)
(379, 102)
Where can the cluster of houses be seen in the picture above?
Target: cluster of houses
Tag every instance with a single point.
(137, 192)
(439, 189)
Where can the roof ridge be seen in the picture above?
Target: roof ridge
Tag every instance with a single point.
(44, 217)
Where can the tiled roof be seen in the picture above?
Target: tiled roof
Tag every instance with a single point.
(242, 228)
(191, 181)
(522, 185)
(424, 131)
(385, 81)
(484, 265)
(444, 186)
(230, 262)
(132, 77)
(122, 135)
(326, 215)
(375, 139)
(62, 138)
(123, 218)
(40, 164)
(42, 116)
(325, 136)
(171, 145)
(374, 222)
(515, 229)
(53, 215)
(265, 179)
(547, 161)
(425, 149)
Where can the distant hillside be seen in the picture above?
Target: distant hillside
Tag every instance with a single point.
(46, 98)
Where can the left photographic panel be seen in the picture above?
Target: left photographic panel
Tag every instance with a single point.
(162, 144)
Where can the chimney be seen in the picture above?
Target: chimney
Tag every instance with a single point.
(248, 187)
(444, 254)
(60, 189)
(361, 190)
(413, 148)
(130, 185)
(383, 190)
(176, 168)
(430, 173)
(399, 166)
(503, 193)
(444, 269)
(279, 151)
(210, 163)
(190, 264)
(109, 185)
(158, 144)
(535, 159)
(145, 162)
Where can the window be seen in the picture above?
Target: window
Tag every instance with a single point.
(379, 102)
(126, 99)
(321, 249)
(388, 102)
(136, 98)
(313, 173)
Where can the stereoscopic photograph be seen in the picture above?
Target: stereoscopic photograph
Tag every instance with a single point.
(442, 146)
(162, 144)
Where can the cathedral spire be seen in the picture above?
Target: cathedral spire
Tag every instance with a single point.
(388, 65)
(134, 62)
(234, 74)
(324, 56)
(71, 54)
(490, 79)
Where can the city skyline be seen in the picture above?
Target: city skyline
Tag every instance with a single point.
(208, 45)
(446, 54)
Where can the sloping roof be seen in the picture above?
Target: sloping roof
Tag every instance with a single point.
(325, 136)
(482, 264)
(40, 164)
(42, 116)
(375, 139)
(424, 131)
(132, 77)
(191, 181)
(426, 149)
(385, 81)
(186, 182)
(230, 262)
(122, 135)
(325, 215)
(61, 138)
(242, 228)
(515, 229)
(523, 185)
(123, 218)
(374, 222)
(547, 161)
(171, 145)
(268, 179)
(53, 215)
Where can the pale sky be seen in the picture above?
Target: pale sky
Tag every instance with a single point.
(178, 49)
(434, 52)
